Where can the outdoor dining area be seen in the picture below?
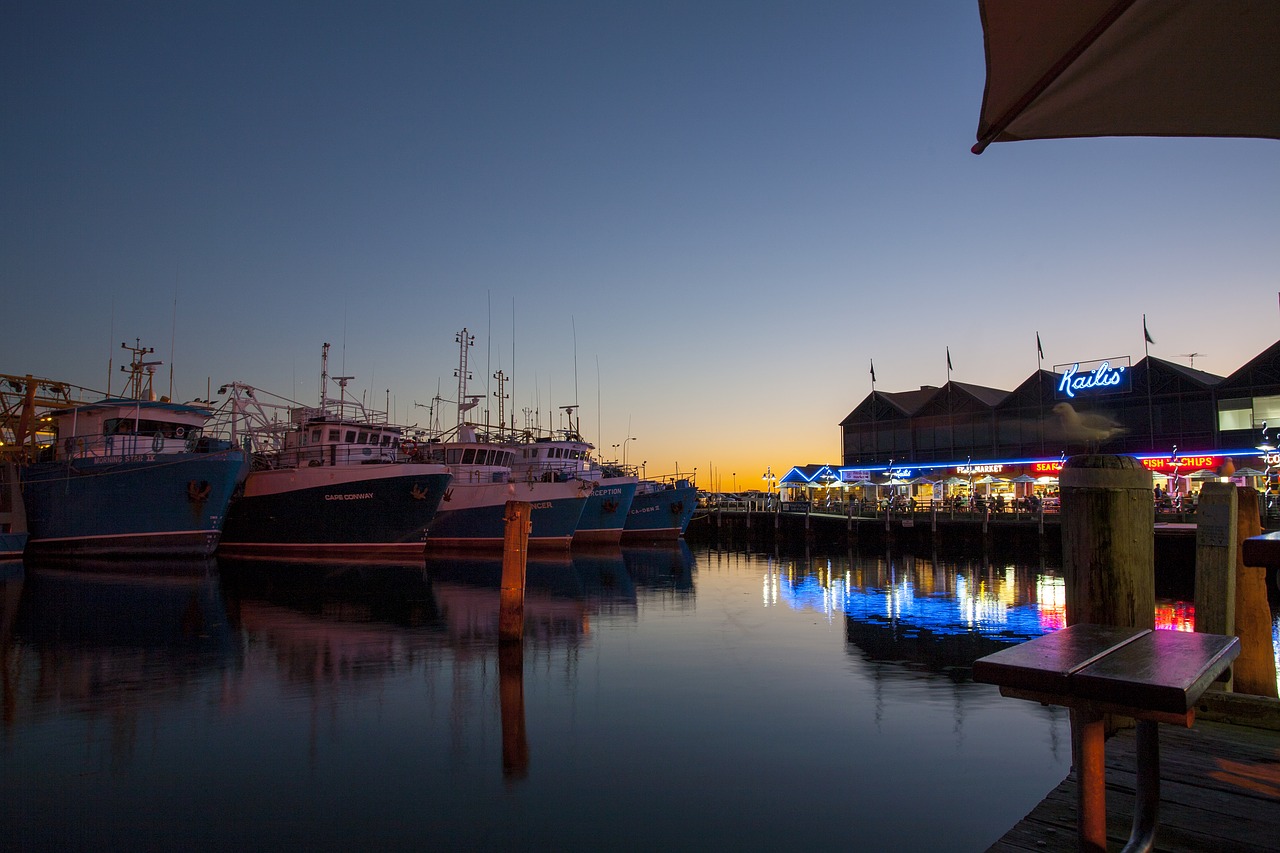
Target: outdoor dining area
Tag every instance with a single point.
(1000, 489)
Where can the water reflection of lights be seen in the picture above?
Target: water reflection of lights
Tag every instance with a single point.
(1051, 592)
(986, 607)
(1175, 616)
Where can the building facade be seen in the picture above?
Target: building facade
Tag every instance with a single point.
(1179, 421)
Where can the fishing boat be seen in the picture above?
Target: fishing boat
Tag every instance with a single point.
(473, 512)
(13, 519)
(130, 475)
(566, 455)
(661, 510)
(337, 479)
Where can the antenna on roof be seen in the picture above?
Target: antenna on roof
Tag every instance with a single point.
(1192, 356)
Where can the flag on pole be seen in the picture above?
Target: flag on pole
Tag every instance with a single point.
(873, 371)
(1039, 348)
(948, 359)
(1145, 333)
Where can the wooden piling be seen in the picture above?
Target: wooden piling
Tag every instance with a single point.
(1108, 541)
(1217, 525)
(1254, 671)
(515, 555)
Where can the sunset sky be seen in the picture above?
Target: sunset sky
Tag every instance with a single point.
(698, 221)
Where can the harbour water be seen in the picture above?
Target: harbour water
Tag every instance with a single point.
(669, 698)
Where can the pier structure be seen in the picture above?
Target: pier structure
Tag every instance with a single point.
(969, 445)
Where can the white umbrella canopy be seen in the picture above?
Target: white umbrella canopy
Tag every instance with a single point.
(1129, 68)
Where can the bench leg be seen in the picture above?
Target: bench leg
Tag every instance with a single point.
(1146, 812)
(1088, 745)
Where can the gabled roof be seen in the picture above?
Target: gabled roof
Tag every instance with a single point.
(889, 405)
(1199, 377)
(1262, 371)
(1034, 392)
(805, 474)
(960, 398)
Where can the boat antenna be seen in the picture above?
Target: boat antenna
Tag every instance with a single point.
(110, 350)
(574, 325)
(173, 334)
(324, 374)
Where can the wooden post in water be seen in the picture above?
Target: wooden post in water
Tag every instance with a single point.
(515, 545)
(1217, 526)
(1108, 541)
(1254, 671)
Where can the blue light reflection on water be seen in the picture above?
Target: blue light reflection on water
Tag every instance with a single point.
(665, 698)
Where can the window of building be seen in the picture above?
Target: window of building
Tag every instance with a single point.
(1266, 409)
(1235, 415)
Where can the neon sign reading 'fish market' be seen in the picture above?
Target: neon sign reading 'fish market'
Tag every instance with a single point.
(1103, 379)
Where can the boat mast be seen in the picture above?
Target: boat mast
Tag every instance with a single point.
(324, 375)
(465, 342)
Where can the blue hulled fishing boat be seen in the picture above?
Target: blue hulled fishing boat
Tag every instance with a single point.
(567, 456)
(661, 510)
(130, 475)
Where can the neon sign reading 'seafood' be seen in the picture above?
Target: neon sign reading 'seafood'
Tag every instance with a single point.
(1104, 379)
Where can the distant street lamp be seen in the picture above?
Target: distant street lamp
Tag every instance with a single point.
(770, 479)
(624, 449)
(735, 482)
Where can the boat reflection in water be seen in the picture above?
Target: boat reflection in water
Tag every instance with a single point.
(337, 629)
(111, 639)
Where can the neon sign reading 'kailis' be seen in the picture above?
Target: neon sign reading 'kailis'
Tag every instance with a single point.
(1105, 376)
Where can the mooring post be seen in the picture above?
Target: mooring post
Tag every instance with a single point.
(1109, 559)
(1217, 528)
(1108, 541)
(515, 543)
(1254, 671)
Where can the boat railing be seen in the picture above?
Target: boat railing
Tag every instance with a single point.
(130, 445)
(335, 455)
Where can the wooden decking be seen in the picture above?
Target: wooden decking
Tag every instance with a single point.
(1219, 790)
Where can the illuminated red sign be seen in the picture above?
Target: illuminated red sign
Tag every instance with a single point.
(1046, 467)
(1184, 465)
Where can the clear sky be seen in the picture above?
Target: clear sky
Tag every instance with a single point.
(699, 221)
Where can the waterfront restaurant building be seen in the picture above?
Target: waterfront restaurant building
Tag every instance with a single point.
(961, 440)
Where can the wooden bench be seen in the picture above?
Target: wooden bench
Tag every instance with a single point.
(1152, 676)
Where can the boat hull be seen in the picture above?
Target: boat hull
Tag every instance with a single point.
(168, 505)
(12, 545)
(359, 510)
(660, 515)
(473, 514)
(605, 515)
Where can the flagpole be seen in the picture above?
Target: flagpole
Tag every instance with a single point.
(1151, 417)
(1040, 388)
(951, 418)
(875, 442)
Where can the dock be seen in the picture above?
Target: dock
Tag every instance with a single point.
(1219, 790)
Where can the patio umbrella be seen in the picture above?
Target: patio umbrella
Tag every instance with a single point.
(1249, 472)
(1024, 478)
(1129, 68)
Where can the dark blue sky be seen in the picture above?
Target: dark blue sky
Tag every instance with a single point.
(700, 221)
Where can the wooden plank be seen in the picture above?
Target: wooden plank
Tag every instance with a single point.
(1220, 790)
(1044, 665)
(1163, 671)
